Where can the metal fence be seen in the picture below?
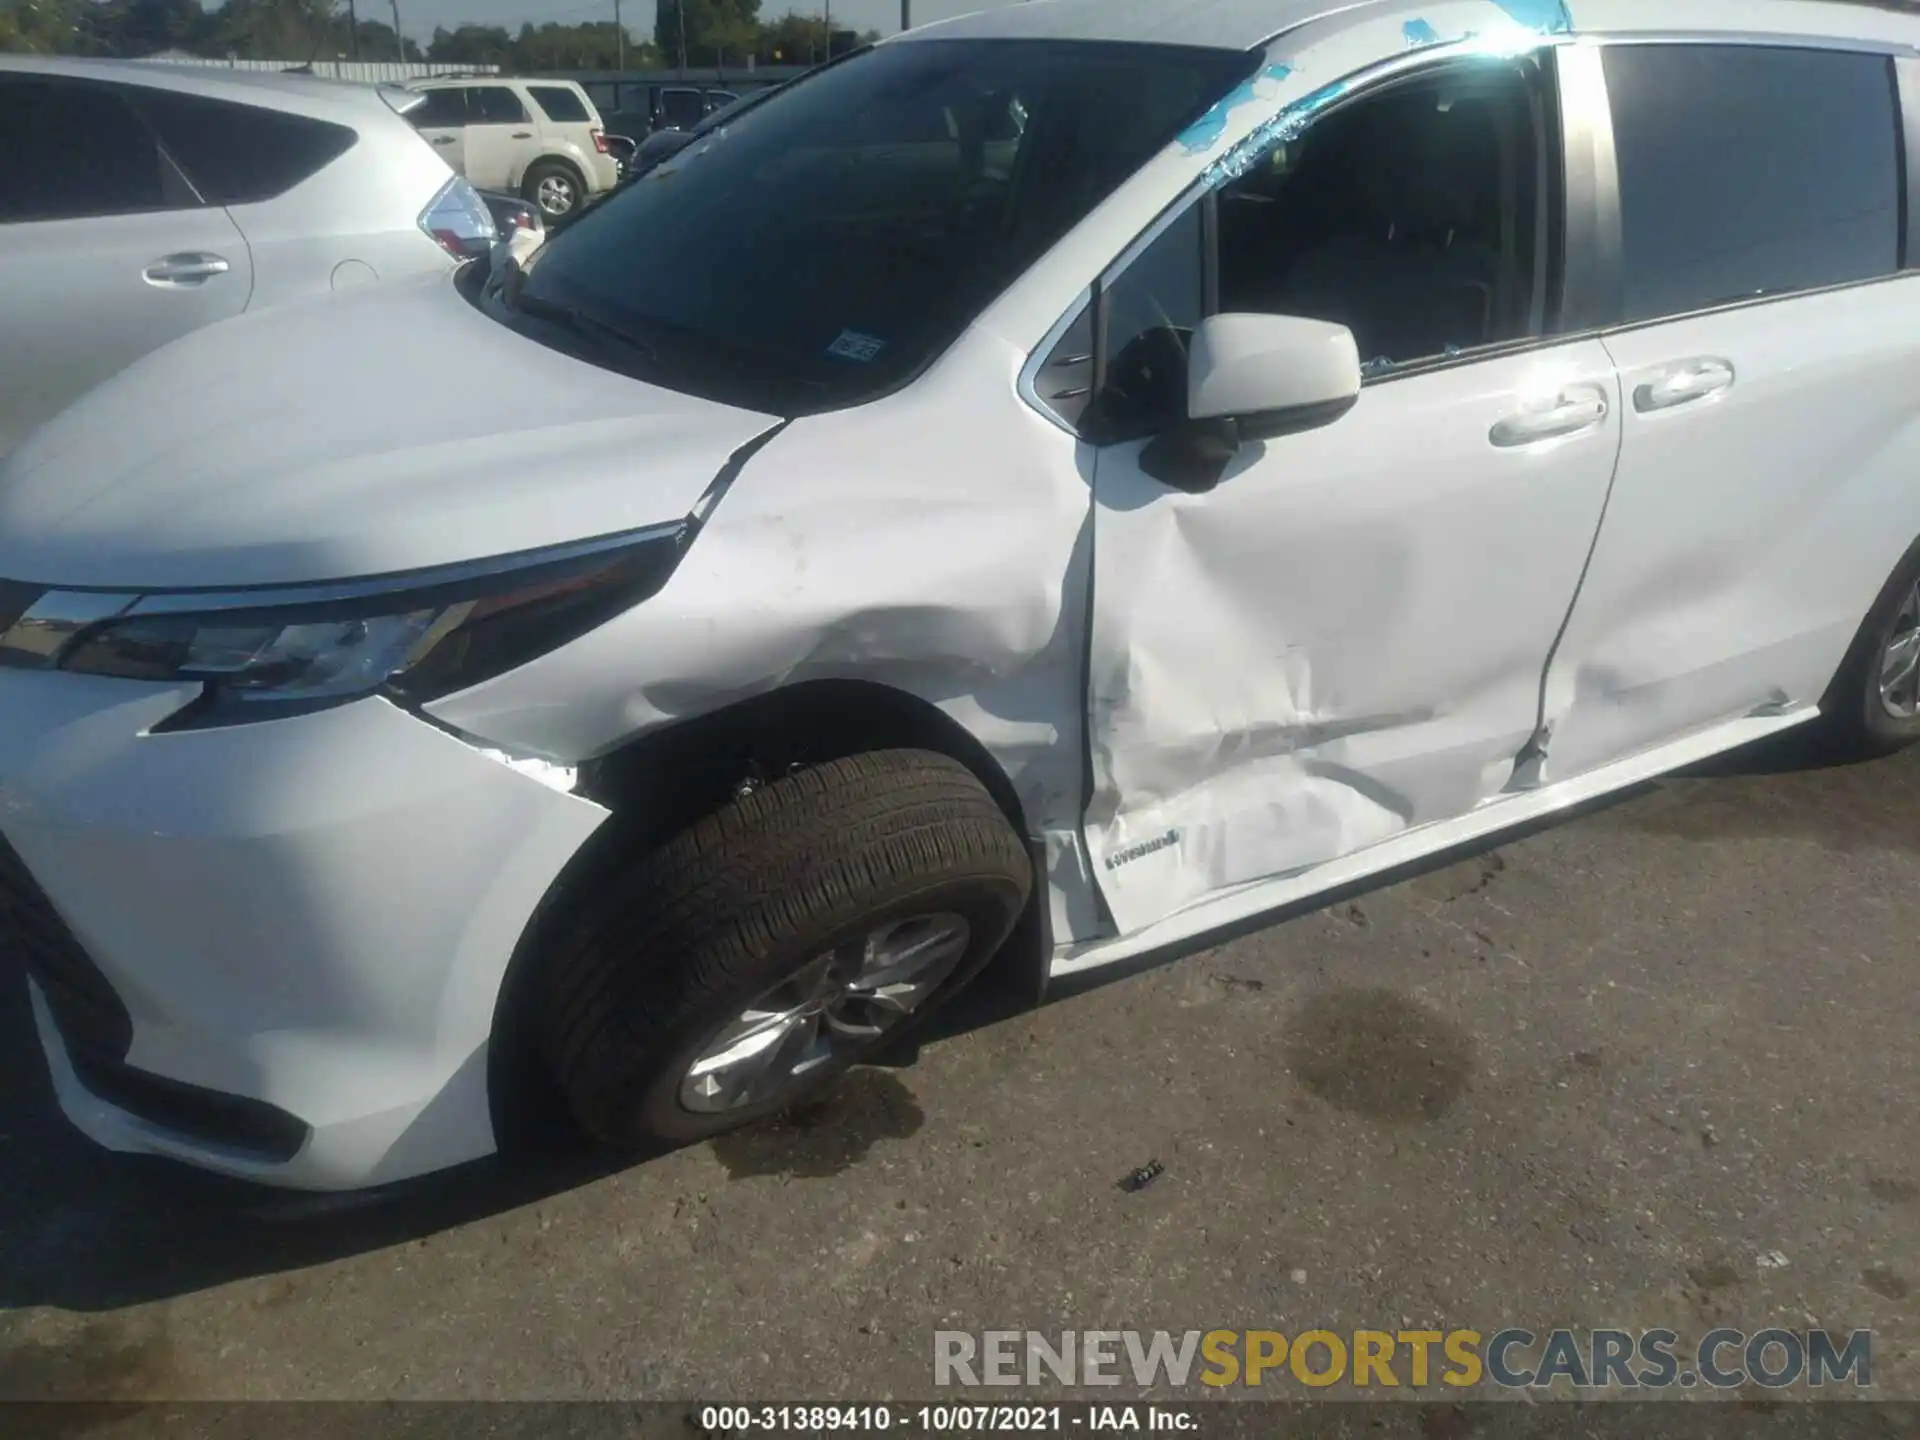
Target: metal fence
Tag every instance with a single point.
(366, 72)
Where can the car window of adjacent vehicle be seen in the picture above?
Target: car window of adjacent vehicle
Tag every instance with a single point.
(445, 109)
(812, 256)
(494, 105)
(1748, 171)
(236, 154)
(680, 107)
(560, 104)
(90, 154)
(1412, 216)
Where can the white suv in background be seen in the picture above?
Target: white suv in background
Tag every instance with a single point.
(539, 138)
(156, 199)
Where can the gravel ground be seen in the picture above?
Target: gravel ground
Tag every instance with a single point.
(1654, 1066)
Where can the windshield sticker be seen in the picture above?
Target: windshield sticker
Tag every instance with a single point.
(852, 345)
(1418, 33)
(1211, 128)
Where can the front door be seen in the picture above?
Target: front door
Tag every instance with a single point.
(1346, 638)
(499, 139)
(441, 120)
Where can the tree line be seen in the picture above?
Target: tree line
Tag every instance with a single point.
(716, 32)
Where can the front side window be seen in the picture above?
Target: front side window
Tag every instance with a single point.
(1748, 171)
(445, 108)
(560, 104)
(1415, 216)
(494, 105)
(836, 237)
(90, 154)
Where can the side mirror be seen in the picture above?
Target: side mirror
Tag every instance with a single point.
(1253, 377)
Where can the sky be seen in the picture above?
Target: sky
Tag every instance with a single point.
(420, 16)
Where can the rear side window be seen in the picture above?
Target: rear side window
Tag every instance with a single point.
(680, 107)
(1750, 171)
(559, 103)
(494, 105)
(91, 154)
(240, 153)
(445, 109)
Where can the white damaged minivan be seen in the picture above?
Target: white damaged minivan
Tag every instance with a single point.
(1063, 483)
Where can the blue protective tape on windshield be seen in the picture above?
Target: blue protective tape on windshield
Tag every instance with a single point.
(1282, 128)
(1548, 17)
(1419, 32)
(1211, 128)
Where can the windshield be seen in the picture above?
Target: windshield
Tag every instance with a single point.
(831, 242)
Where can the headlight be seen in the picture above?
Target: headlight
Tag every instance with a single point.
(413, 638)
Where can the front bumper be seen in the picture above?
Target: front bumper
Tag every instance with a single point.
(312, 914)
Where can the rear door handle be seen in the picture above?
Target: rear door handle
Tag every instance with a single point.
(1574, 409)
(523, 135)
(443, 140)
(187, 268)
(1682, 383)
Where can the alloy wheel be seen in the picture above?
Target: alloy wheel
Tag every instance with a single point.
(835, 1004)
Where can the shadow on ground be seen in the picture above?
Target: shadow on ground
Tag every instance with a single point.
(87, 1231)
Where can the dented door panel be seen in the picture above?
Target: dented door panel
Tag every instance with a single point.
(1345, 640)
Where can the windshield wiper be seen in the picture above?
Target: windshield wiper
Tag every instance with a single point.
(578, 321)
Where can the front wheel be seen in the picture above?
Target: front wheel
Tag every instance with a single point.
(776, 942)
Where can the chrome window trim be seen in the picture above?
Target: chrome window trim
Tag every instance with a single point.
(1028, 385)
(1592, 283)
(1906, 81)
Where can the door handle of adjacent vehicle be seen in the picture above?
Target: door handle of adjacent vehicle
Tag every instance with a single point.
(1683, 382)
(523, 134)
(1577, 408)
(443, 140)
(189, 268)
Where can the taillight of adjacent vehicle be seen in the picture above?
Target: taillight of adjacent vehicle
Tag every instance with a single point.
(458, 221)
(600, 141)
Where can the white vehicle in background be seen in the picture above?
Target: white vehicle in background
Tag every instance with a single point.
(540, 139)
(141, 202)
(1334, 435)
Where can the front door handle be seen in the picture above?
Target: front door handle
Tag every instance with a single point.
(443, 140)
(1577, 408)
(188, 268)
(523, 134)
(1682, 383)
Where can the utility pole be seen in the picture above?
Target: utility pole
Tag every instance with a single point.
(399, 41)
(619, 53)
(353, 33)
(829, 29)
(680, 14)
(906, 14)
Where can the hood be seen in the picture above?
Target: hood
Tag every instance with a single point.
(378, 430)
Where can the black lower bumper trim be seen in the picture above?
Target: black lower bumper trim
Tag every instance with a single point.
(232, 1122)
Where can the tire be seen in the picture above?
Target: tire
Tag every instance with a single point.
(1855, 718)
(546, 180)
(774, 898)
